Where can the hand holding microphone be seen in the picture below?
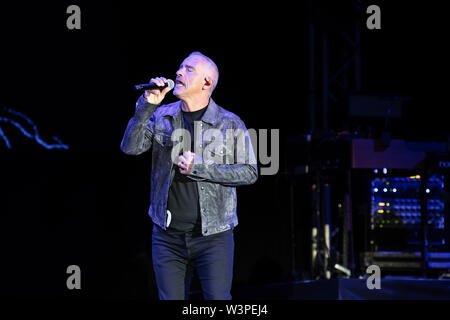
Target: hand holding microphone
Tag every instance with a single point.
(156, 90)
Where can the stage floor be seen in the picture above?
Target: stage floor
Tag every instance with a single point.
(392, 288)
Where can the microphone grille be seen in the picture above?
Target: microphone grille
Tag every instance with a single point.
(170, 83)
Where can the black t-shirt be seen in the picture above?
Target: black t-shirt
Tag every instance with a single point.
(182, 201)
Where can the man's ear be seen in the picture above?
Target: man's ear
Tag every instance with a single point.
(208, 83)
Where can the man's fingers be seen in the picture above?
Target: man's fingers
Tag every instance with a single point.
(185, 162)
(182, 159)
(157, 95)
(162, 81)
(188, 155)
(159, 81)
(165, 90)
(182, 163)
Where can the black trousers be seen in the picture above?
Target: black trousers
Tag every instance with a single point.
(176, 254)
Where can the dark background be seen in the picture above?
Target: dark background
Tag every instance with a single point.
(88, 205)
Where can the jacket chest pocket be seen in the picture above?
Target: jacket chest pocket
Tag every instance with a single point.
(221, 154)
(163, 139)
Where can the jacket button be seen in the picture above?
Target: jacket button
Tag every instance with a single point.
(203, 188)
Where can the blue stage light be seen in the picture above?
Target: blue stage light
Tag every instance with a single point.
(31, 135)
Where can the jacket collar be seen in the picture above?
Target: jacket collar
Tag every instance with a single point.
(210, 116)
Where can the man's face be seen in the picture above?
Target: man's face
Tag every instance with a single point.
(190, 77)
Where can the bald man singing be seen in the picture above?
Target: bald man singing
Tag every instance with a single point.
(200, 154)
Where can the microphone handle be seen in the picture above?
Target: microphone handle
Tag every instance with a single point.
(153, 86)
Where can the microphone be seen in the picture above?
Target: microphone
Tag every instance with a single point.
(152, 86)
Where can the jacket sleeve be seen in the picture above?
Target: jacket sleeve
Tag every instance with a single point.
(242, 171)
(139, 132)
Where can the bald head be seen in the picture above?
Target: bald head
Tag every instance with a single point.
(209, 68)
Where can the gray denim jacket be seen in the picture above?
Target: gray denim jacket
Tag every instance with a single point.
(219, 165)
